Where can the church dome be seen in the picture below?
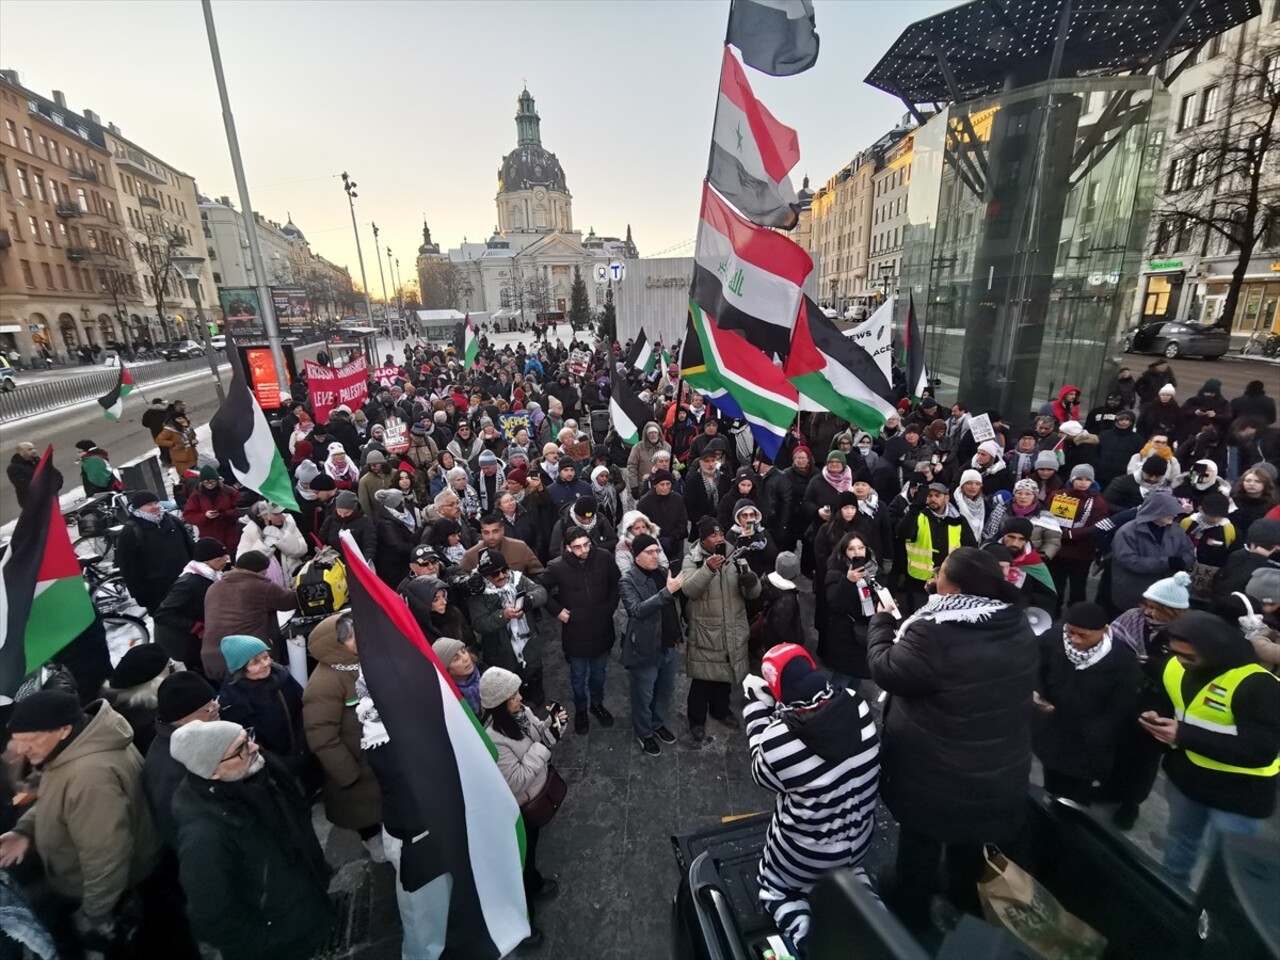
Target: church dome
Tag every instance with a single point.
(530, 165)
(291, 231)
(428, 249)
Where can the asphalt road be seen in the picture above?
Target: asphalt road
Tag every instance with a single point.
(128, 439)
(125, 440)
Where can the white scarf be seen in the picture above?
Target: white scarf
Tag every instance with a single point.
(372, 731)
(202, 569)
(517, 626)
(1084, 659)
(347, 471)
(953, 608)
(869, 506)
(973, 512)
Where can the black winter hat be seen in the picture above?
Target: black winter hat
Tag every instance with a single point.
(140, 498)
(847, 498)
(707, 526)
(140, 664)
(491, 561)
(254, 560)
(208, 548)
(182, 694)
(1018, 525)
(642, 543)
(1155, 466)
(44, 711)
(1086, 616)
(862, 474)
(323, 482)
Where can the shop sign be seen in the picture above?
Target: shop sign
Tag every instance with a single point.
(1164, 265)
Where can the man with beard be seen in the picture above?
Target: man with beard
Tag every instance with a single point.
(255, 877)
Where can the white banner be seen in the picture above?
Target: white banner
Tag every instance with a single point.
(875, 335)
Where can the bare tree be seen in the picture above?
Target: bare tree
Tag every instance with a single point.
(444, 285)
(538, 293)
(156, 244)
(1224, 179)
(514, 292)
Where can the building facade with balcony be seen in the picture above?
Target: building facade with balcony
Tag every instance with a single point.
(66, 278)
(889, 189)
(1214, 100)
(285, 252)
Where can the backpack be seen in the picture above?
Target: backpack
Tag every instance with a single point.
(321, 584)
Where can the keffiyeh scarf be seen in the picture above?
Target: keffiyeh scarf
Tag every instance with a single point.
(953, 608)
(1084, 659)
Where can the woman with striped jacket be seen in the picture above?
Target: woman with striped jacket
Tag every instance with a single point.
(816, 748)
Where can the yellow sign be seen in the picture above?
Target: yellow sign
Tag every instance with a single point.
(1275, 267)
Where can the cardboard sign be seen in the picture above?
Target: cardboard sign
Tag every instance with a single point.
(577, 451)
(509, 423)
(387, 376)
(329, 387)
(578, 361)
(981, 428)
(396, 438)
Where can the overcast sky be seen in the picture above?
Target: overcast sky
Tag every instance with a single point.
(416, 100)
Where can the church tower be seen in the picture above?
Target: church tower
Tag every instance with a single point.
(533, 198)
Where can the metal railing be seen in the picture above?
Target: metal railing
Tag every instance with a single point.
(31, 398)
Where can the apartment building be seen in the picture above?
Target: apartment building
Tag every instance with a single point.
(64, 264)
(889, 187)
(1215, 97)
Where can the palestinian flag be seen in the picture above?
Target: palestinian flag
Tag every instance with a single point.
(242, 438)
(738, 378)
(777, 37)
(472, 829)
(113, 403)
(913, 353)
(752, 153)
(42, 588)
(666, 358)
(627, 412)
(641, 355)
(467, 343)
(834, 373)
(748, 277)
(1030, 564)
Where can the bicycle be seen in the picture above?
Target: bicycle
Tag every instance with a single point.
(1259, 344)
(107, 588)
(98, 526)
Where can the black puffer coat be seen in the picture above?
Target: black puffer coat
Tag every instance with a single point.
(1090, 707)
(176, 620)
(151, 557)
(588, 589)
(955, 757)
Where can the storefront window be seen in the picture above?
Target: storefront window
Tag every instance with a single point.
(1156, 303)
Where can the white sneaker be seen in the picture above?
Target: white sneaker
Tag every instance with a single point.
(374, 845)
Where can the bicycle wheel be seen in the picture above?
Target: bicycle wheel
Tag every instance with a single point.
(125, 631)
(100, 547)
(110, 595)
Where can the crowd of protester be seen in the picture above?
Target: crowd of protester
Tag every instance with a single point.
(1096, 585)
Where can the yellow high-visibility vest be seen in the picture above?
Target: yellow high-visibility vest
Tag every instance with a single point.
(1210, 710)
(920, 550)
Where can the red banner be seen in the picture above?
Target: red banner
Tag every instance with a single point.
(331, 387)
(386, 376)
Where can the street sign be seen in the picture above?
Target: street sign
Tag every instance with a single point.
(617, 271)
(602, 273)
(33, 328)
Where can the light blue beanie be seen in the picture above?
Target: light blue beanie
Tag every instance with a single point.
(239, 649)
(1172, 591)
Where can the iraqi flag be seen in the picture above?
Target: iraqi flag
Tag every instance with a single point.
(627, 412)
(642, 356)
(752, 153)
(467, 344)
(113, 403)
(42, 589)
(472, 825)
(748, 278)
(738, 378)
(913, 353)
(778, 37)
(834, 373)
(242, 439)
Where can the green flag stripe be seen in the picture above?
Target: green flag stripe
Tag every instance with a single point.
(60, 612)
(816, 387)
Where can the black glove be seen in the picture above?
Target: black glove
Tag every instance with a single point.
(1176, 564)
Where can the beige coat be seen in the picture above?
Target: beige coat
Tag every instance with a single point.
(717, 618)
(181, 445)
(524, 762)
(90, 825)
(351, 797)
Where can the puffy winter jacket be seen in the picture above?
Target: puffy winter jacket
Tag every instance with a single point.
(717, 618)
(956, 740)
(588, 589)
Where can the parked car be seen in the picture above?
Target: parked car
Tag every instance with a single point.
(180, 350)
(1175, 338)
(219, 342)
(7, 380)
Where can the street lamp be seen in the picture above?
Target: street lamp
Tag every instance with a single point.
(189, 268)
(378, 252)
(349, 186)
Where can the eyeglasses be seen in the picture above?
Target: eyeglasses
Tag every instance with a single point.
(242, 752)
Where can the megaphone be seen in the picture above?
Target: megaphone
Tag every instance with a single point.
(1039, 619)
